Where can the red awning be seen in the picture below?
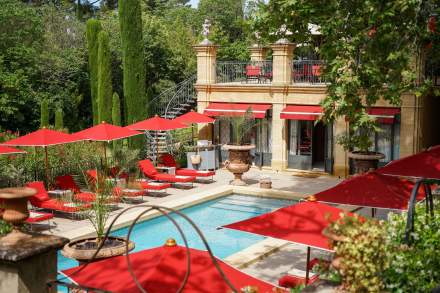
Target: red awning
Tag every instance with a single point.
(231, 109)
(371, 190)
(300, 223)
(383, 114)
(301, 112)
(162, 269)
(425, 164)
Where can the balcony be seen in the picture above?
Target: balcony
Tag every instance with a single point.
(304, 72)
(244, 72)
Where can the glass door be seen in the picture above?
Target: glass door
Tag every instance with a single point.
(300, 144)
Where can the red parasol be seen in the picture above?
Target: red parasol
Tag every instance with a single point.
(425, 164)
(106, 132)
(156, 124)
(371, 190)
(193, 117)
(4, 150)
(301, 223)
(162, 269)
(43, 138)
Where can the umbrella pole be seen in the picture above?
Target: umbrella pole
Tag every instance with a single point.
(307, 265)
(157, 148)
(46, 163)
(373, 212)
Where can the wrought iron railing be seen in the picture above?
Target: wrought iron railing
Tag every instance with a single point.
(181, 92)
(308, 71)
(244, 72)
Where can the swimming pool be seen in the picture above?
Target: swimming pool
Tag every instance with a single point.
(208, 216)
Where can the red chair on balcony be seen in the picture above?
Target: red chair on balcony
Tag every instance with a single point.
(253, 72)
(316, 72)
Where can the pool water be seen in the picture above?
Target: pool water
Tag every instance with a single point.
(208, 217)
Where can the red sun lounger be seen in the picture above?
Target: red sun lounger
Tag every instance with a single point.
(150, 171)
(168, 161)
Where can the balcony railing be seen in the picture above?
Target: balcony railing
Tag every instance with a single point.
(432, 72)
(244, 72)
(308, 71)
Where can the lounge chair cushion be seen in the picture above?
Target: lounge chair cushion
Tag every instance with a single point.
(173, 178)
(62, 206)
(195, 173)
(85, 196)
(154, 185)
(168, 160)
(35, 217)
(41, 195)
(148, 168)
(66, 182)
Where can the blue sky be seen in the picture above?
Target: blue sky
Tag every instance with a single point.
(194, 3)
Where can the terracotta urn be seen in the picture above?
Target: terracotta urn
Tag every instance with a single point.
(365, 161)
(239, 161)
(83, 250)
(15, 211)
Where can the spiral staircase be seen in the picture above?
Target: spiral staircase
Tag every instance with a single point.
(169, 104)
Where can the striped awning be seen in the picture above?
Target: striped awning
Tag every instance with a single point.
(236, 109)
(301, 112)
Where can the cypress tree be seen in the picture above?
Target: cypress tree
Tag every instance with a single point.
(104, 78)
(59, 121)
(44, 114)
(92, 30)
(116, 117)
(130, 22)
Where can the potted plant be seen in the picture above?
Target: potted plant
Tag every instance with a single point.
(239, 160)
(358, 144)
(84, 249)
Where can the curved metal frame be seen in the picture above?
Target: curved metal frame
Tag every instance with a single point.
(165, 211)
(412, 206)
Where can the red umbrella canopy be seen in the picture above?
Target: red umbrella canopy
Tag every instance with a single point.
(194, 118)
(371, 190)
(156, 124)
(106, 132)
(43, 138)
(425, 164)
(300, 223)
(4, 150)
(162, 269)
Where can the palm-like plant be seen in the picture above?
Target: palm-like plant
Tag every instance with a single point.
(241, 126)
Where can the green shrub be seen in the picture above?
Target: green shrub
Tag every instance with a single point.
(360, 253)
(44, 114)
(59, 119)
(414, 268)
(5, 228)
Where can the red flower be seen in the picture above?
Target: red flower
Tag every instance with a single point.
(372, 32)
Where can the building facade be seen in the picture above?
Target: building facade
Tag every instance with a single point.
(285, 94)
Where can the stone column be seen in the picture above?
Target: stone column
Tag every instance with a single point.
(206, 76)
(410, 125)
(282, 52)
(27, 266)
(206, 63)
(258, 53)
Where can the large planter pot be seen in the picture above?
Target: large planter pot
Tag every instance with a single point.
(364, 162)
(239, 161)
(83, 250)
(15, 212)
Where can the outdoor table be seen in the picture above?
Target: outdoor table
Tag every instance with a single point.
(61, 194)
(168, 170)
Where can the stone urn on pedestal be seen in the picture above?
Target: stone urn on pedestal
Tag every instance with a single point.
(239, 161)
(15, 211)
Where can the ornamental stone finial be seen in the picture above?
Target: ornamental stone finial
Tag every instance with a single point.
(205, 32)
(257, 36)
(283, 32)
